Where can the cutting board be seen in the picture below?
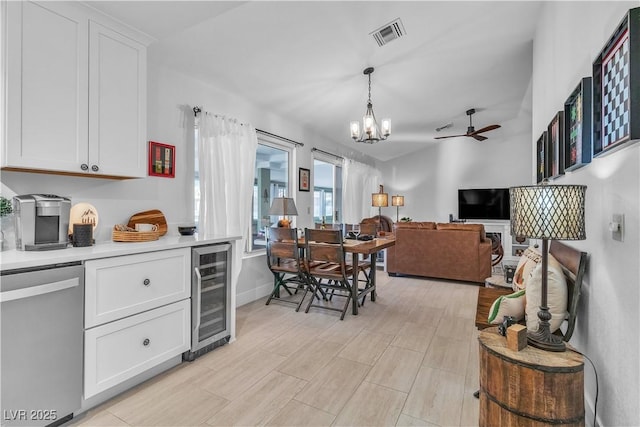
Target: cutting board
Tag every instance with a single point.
(153, 216)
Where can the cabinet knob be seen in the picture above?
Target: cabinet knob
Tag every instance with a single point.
(84, 166)
(95, 168)
(146, 342)
(147, 282)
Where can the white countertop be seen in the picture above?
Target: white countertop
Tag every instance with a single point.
(13, 259)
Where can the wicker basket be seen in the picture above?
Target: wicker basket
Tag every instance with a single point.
(134, 236)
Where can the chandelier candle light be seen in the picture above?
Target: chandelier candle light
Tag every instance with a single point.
(397, 201)
(547, 212)
(284, 206)
(370, 131)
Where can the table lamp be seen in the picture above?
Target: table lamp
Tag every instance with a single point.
(397, 201)
(283, 206)
(547, 212)
(380, 200)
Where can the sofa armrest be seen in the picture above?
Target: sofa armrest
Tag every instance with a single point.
(484, 256)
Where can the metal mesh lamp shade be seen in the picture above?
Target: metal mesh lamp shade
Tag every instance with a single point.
(547, 212)
(283, 206)
(397, 201)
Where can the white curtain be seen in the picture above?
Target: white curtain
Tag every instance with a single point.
(227, 155)
(359, 181)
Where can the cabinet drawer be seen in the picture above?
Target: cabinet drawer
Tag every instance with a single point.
(120, 350)
(122, 286)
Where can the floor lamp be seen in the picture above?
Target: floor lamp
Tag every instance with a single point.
(397, 201)
(380, 200)
(547, 212)
(283, 206)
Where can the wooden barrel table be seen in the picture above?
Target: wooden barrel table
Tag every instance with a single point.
(529, 388)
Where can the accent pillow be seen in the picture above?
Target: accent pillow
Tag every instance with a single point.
(507, 305)
(557, 295)
(528, 261)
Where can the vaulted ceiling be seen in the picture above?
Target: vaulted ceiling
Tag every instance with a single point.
(304, 60)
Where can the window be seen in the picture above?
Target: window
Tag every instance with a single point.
(272, 179)
(327, 191)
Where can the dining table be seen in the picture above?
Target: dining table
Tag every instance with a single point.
(367, 248)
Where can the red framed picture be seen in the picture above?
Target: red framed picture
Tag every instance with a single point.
(162, 160)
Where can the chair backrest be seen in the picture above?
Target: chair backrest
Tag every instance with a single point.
(368, 229)
(574, 265)
(318, 226)
(282, 245)
(381, 221)
(324, 246)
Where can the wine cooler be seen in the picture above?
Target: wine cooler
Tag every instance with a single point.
(210, 298)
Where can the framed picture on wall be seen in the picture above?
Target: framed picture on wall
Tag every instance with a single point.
(555, 145)
(304, 179)
(541, 158)
(616, 84)
(162, 160)
(577, 126)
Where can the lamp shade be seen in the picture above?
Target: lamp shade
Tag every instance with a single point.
(554, 212)
(397, 200)
(380, 200)
(283, 206)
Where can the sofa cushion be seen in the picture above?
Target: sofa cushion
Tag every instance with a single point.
(507, 305)
(416, 224)
(462, 227)
(557, 295)
(528, 261)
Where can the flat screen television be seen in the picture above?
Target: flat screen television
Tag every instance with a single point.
(483, 203)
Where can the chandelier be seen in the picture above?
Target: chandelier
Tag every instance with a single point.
(370, 131)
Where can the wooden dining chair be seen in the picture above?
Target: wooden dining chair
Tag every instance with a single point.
(327, 268)
(288, 268)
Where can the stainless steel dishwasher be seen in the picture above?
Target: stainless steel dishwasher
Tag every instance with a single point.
(41, 344)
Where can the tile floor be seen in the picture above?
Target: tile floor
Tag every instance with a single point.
(409, 359)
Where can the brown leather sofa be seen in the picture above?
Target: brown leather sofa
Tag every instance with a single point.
(440, 250)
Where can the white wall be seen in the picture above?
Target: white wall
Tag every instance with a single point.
(568, 38)
(430, 179)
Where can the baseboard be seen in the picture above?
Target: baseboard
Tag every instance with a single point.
(251, 295)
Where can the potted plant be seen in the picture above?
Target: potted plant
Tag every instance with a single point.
(6, 219)
(405, 219)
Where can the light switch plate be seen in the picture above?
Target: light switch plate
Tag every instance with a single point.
(618, 232)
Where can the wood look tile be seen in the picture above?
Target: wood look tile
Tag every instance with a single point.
(340, 332)
(299, 414)
(102, 418)
(406, 421)
(366, 347)
(290, 342)
(159, 406)
(455, 327)
(310, 359)
(436, 397)
(235, 379)
(470, 408)
(414, 336)
(259, 403)
(447, 354)
(372, 405)
(330, 390)
(396, 369)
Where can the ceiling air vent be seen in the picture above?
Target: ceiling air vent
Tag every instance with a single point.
(389, 32)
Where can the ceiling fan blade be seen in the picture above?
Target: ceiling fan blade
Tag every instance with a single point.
(478, 137)
(485, 129)
(449, 136)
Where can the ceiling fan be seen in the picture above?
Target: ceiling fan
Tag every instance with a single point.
(471, 131)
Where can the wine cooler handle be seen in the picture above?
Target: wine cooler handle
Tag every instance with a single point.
(198, 303)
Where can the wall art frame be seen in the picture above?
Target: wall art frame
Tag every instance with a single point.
(616, 88)
(555, 146)
(304, 179)
(541, 158)
(577, 126)
(162, 160)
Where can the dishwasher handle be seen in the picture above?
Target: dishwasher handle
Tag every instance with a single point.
(39, 290)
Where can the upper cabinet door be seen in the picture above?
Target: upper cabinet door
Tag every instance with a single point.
(47, 88)
(117, 103)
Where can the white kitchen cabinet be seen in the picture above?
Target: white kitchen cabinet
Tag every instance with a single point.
(120, 350)
(75, 92)
(137, 315)
(121, 286)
